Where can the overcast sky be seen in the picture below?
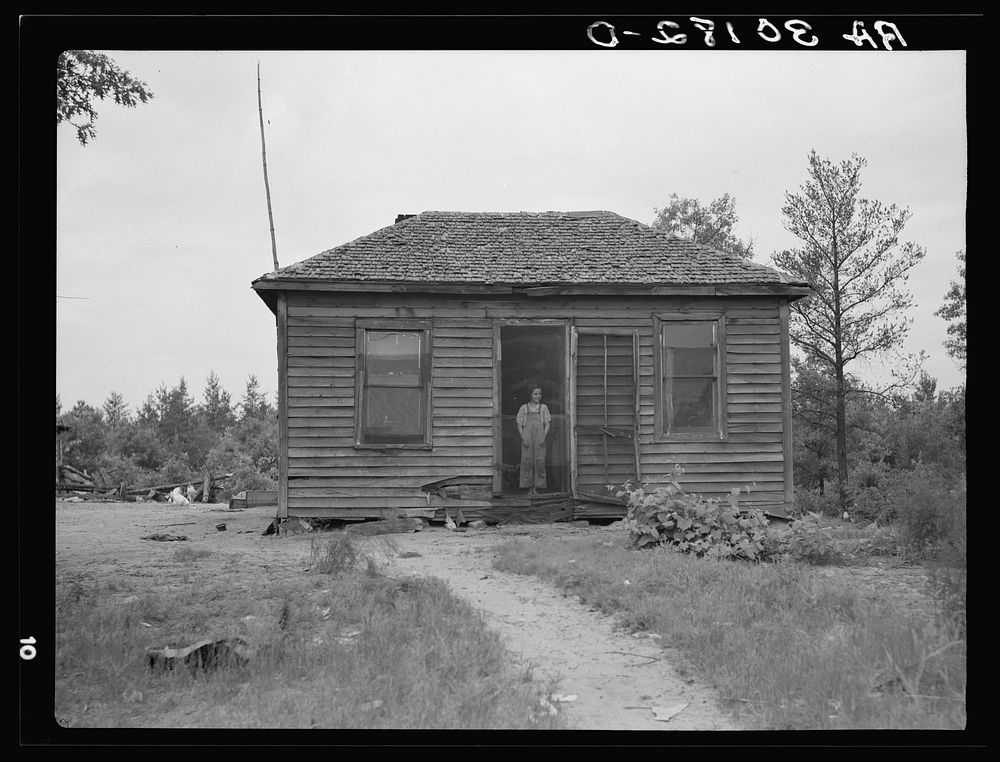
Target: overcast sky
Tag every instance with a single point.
(162, 220)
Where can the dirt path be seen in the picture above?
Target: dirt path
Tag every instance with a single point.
(617, 679)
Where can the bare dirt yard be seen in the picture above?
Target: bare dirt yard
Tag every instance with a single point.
(617, 679)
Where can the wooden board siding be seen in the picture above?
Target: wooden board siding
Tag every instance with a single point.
(328, 475)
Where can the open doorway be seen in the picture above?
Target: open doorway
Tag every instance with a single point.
(533, 355)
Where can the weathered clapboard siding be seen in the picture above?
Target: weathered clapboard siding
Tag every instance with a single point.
(752, 452)
(328, 475)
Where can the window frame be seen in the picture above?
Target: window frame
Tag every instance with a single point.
(361, 380)
(661, 322)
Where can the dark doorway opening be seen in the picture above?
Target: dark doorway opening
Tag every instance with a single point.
(533, 355)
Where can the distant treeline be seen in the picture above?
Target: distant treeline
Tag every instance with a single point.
(173, 438)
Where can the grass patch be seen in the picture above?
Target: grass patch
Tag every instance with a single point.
(785, 648)
(343, 647)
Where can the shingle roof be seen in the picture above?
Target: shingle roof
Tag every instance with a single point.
(526, 248)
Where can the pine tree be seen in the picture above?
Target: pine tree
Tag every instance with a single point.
(852, 257)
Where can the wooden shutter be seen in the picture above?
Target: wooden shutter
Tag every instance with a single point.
(605, 426)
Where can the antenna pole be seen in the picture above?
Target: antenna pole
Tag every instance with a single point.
(267, 187)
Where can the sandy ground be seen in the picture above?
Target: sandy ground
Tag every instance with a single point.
(617, 679)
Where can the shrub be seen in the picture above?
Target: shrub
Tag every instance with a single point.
(688, 523)
(948, 569)
(813, 501)
(922, 504)
(805, 540)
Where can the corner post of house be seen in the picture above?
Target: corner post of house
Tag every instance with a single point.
(281, 318)
(497, 418)
(786, 407)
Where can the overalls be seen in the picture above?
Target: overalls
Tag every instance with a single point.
(533, 450)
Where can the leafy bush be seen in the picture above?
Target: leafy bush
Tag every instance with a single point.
(805, 540)
(688, 523)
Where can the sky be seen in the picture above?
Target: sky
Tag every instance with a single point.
(161, 221)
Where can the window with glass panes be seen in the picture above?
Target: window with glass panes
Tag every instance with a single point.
(690, 402)
(393, 383)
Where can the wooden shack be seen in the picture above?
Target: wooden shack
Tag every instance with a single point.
(404, 356)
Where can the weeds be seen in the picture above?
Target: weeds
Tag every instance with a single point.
(333, 555)
(344, 647)
(786, 648)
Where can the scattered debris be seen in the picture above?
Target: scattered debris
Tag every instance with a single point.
(165, 537)
(386, 526)
(666, 713)
(347, 635)
(205, 654)
(548, 706)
